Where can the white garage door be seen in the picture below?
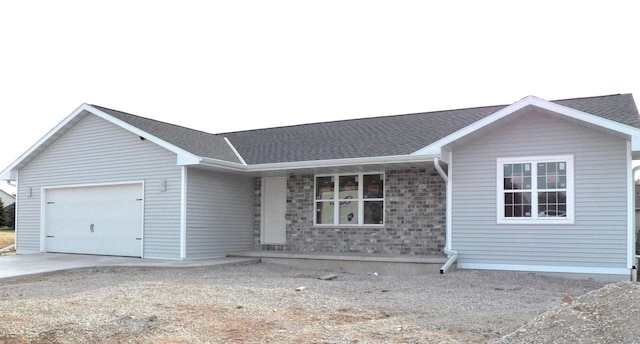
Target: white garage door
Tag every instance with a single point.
(103, 220)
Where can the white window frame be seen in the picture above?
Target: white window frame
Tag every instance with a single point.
(361, 200)
(535, 219)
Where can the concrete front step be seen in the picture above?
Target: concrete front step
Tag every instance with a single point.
(396, 265)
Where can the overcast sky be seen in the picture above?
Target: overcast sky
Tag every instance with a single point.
(235, 65)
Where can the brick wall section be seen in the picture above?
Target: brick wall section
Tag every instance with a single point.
(415, 218)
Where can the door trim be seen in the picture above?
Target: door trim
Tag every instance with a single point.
(263, 211)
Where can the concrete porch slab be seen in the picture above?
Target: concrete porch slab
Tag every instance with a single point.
(396, 265)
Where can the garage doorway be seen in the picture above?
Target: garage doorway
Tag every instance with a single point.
(101, 219)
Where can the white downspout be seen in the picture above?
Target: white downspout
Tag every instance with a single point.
(453, 255)
(183, 212)
(634, 268)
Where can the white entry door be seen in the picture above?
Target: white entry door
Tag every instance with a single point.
(102, 220)
(274, 206)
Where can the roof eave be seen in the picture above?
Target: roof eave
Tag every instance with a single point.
(632, 133)
(215, 164)
(335, 163)
(311, 165)
(10, 172)
(181, 153)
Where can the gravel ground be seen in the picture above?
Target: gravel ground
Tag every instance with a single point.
(258, 303)
(607, 315)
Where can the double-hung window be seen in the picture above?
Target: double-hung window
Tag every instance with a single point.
(349, 199)
(535, 190)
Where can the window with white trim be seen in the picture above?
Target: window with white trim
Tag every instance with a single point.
(349, 199)
(535, 190)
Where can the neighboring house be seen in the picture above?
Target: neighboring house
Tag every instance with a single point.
(534, 186)
(7, 199)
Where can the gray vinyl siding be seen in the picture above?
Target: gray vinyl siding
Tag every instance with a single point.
(95, 151)
(220, 213)
(598, 238)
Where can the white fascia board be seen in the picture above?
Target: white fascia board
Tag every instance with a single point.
(222, 164)
(182, 154)
(9, 173)
(436, 147)
(313, 164)
(396, 159)
(635, 143)
(634, 133)
(186, 160)
(586, 117)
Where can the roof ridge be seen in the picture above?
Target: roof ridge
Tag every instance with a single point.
(405, 114)
(224, 134)
(361, 119)
(592, 97)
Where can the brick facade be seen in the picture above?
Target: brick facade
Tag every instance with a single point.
(415, 218)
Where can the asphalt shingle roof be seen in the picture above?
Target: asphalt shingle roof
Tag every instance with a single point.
(194, 141)
(392, 135)
(366, 137)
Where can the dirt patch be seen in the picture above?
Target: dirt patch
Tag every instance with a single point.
(7, 237)
(258, 304)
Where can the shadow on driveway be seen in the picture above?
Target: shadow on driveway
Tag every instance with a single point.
(14, 266)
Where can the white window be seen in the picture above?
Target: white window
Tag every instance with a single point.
(349, 199)
(535, 190)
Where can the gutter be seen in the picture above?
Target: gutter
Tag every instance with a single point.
(453, 255)
(301, 165)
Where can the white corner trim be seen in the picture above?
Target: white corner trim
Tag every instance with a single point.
(235, 151)
(631, 225)
(43, 212)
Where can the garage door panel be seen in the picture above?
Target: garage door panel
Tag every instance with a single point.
(105, 220)
(89, 245)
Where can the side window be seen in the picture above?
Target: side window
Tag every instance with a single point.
(535, 190)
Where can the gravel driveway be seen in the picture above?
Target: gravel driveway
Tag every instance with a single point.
(258, 303)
